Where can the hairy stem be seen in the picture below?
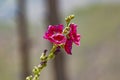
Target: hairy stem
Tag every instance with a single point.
(44, 59)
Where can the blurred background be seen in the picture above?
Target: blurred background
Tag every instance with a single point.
(23, 23)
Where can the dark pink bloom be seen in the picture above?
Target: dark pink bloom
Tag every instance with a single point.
(72, 37)
(68, 46)
(73, 34)
(54, 34)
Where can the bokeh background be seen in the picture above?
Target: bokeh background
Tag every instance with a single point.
(98, 57)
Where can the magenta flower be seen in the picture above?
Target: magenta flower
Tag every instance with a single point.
(72, 37)
(68, 46)
(54, 34)
(73, 34)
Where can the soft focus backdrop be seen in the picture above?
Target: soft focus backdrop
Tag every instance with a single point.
(98, 57)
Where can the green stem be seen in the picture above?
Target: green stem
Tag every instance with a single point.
(44, 59)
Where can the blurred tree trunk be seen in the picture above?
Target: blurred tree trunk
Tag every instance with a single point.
(23, 38)
(53, 19)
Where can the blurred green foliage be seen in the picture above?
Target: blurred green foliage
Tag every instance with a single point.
(97, 23)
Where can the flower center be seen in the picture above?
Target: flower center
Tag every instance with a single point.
(58, 37)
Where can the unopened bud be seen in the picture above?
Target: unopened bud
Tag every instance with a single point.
(29, 77)
(35, 70)
(72, 16)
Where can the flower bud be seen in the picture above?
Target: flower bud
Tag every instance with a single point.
(36, 77)
(29, 77)
(43, 57)
(36, 70)
(72, 16)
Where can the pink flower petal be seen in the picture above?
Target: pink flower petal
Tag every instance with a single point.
(58, 38)
(68, 46)
(73, 28)
(73, 34)
(59, 28)
(77, 39)
(54, 34)
(51, 29)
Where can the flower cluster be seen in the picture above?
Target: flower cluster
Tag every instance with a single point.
(61, 36)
